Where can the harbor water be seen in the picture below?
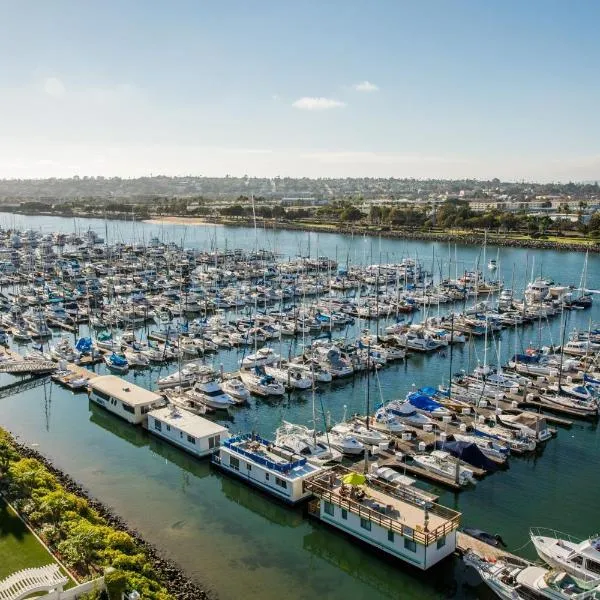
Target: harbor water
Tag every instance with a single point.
(240, 543)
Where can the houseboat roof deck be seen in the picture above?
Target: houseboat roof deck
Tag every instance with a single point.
(265, 453)
(396, 508)
(124, 390)
(187, 421)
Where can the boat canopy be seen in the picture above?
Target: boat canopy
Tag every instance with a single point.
(469, 453)
(423, 402)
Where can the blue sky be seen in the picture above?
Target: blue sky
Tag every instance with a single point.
(339, 88)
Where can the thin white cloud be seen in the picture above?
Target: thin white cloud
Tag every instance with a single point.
(366, 86)
(315, 103)
(54, 87)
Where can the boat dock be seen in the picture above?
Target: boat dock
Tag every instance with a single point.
(465, 542)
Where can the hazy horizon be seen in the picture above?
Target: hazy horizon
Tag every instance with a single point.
(428, 90)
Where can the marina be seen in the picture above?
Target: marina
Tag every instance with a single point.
(464, 408)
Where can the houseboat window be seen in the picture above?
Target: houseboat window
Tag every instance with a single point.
(146, 409)
(593, 566)
(157, 425)
(234, 463)
(344, 513)
(102, 395)
(191, 439)
(329, 508)
(249, 466)
(410, 545)
(365, 524)
(390, 535)
(281, 483)
(267, 477)
(128, 408)
(441, 542)
(168, 428)
(214, 441)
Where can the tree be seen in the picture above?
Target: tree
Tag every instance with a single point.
(594, 223)
(351, 213)
(375, 214)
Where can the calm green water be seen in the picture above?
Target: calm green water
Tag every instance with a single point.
(240, 543)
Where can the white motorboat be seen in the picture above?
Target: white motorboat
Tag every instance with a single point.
(407, 413)
(136, 359)
(290, 376)
(389, 421)
(116, 362)
(344, 442)
(513, 579)
(301, 440)
(261, 384)
(264, 356)
(236, 389)
(362, 433)
(209, 392)
(580, 558)
(443, 463)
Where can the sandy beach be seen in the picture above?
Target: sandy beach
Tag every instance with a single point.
(181, 221)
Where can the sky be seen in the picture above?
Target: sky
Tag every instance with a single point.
(427, 88)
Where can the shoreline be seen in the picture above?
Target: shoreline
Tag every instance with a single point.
(582, 244)
(177, 583)
(472, 239)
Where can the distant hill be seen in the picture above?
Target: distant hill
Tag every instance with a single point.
(160, 187)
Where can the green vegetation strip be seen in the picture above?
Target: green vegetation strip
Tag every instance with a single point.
(79, 536)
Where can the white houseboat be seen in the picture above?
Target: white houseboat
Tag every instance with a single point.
(192, 433)
(391, 518)
(127, 400)
(265, 466)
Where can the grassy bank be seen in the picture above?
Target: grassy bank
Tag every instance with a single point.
(19, 548)
(81, 532)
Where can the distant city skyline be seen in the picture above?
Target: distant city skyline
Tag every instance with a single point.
(434, 89)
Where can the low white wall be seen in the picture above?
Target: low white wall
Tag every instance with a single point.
(75, 592)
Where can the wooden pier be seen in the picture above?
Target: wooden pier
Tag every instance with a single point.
(465, 542)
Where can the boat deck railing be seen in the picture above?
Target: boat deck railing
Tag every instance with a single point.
(554, 534)
(233, 444)
(324, 487)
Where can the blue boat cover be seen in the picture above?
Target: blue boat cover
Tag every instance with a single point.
(84, 344)
(118, 361)
(423, 402)
(428, 391)
(468, 453)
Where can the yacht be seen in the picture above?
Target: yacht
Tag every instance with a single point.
(236, 389)
(388, 421)
(346, 443)
(362, 433)
(303, 441)
(580, 558)
(406, 412)
(264, 356)
(209, 392)
(258, 382)
(513, 579)
(290, 375)
(116, 362)
(442, 463)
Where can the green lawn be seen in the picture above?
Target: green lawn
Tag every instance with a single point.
(19, 549)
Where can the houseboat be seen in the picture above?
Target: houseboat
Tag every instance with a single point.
(266, 466)
(391, 518)
(192, 433)
(127, 400)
